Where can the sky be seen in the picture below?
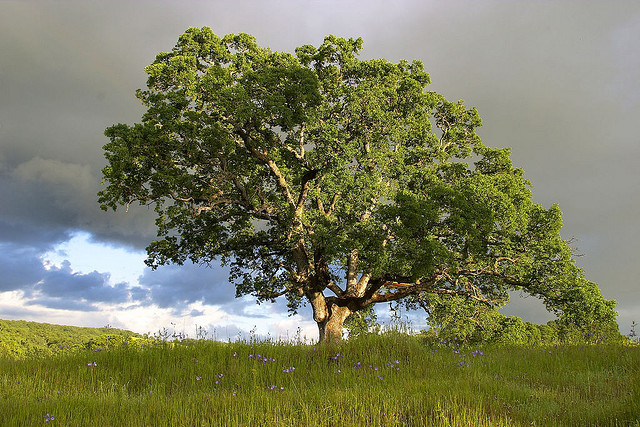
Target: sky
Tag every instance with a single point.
(554, 80)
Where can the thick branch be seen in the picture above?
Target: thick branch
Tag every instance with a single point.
(299, 155)
(306, 179)
(328, 212)
(273, 167)
(352, 271)
(335, 289)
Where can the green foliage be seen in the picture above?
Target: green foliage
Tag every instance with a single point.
(19, 338)
(470, 322)
(362, 322)
(336, 181)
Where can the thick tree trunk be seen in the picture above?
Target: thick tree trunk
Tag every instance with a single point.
(329, 317)
(330, 330)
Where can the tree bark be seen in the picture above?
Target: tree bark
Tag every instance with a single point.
(329, 317)
(330, 330)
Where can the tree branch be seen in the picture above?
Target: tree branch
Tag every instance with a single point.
(335, 289)
(273, 167)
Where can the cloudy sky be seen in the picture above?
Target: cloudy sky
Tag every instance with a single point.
(554, 80)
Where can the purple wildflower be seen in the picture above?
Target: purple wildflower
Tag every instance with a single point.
(48, 418)
(92, 364)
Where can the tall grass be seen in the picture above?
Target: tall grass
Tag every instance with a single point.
(392, 380)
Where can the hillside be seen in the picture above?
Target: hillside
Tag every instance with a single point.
(20, 338)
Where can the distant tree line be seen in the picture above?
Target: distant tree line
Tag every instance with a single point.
(457, 319)
(19, 338)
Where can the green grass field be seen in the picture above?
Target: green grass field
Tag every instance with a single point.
(392, 380)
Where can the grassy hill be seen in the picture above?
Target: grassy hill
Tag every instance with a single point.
(391, 379)
(19, 338)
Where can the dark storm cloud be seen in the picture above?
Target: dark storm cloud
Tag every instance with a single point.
(176, 286)
(59, 287)
(25, 235)
(179, 286)
(21, 268)
(556, 81)
(47, 198)
(62, 282)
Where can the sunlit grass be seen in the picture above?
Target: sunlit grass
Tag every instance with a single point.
(387, 380)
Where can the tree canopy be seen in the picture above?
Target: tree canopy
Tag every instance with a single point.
(339, 182)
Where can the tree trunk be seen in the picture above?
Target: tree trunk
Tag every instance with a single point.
(330, 329)
(329, 317)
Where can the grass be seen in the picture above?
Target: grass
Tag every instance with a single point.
(394, 380)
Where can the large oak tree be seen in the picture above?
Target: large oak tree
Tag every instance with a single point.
(334, 181)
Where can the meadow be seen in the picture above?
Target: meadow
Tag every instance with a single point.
(392, 379)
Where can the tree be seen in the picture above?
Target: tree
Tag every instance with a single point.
(333, 181)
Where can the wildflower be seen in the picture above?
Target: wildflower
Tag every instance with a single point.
(289, 370)
(335, 358)
(92, 364)
(235, 354)
(198, 378)
(48, 418)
